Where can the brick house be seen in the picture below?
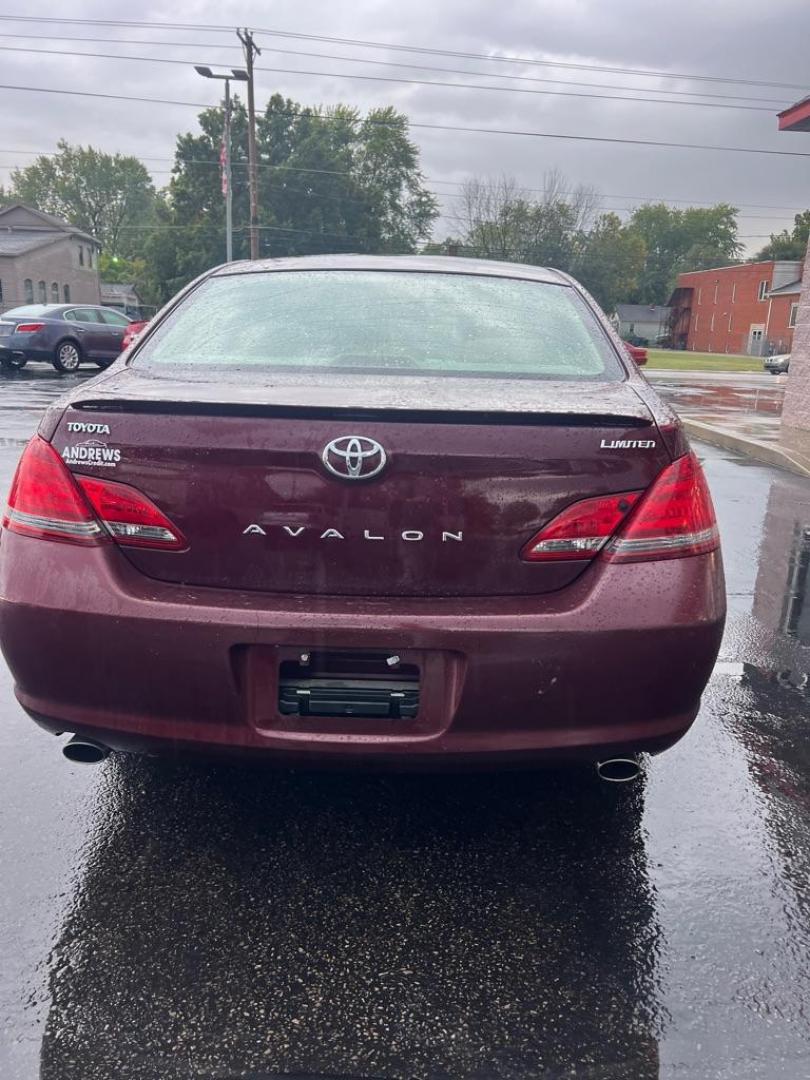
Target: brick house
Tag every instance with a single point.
(44, 260)
(796, 410)
(750, 308)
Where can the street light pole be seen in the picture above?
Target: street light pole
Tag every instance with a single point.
(228, 185)
(240, 76)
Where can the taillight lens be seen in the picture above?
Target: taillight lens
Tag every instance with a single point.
(672, 519)
(44, 501)
(130, 517)
(29, 327)
(675, 518)
(581, 530)
(48, 502)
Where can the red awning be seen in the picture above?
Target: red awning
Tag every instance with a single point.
(797, 117)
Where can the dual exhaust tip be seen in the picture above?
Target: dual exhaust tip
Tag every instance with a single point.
(618, 770)
(85, 751)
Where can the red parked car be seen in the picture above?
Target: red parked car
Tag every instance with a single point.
(132, 333)
(637, 354)
(396, 510)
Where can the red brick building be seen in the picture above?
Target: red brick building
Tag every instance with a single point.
(749, 308)
(796, 410)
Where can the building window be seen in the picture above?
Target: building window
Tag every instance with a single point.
(716, 287)
(54, 293)
(733, 291)
(29, 290)
(729, 323)
(1, 292)
(81, 255)
(90, 257)
(66, 293)
(794, 311)
(711, 325)
(42, 290)
(763, 291)
(697, 323)
(699, 295)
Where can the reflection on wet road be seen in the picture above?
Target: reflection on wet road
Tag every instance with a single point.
(752, 402)
(161, 920)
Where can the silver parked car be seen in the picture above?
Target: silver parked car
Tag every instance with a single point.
(777, 365)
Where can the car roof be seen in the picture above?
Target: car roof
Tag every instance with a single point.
(434, 264)
(53, 309)
(30, 309)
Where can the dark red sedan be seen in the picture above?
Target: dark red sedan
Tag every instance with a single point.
(398, 510)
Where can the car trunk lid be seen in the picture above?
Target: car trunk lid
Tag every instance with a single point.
(240, 469)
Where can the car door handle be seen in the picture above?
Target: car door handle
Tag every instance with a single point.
(80, 329)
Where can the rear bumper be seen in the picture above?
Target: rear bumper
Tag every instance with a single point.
(14, 347)
(615, 663)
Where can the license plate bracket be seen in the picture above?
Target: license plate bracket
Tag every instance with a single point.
(345, 697)
(369, 684)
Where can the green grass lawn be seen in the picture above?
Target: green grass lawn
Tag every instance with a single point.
(697, 361)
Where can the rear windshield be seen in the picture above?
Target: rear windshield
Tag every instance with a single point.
(386, 322)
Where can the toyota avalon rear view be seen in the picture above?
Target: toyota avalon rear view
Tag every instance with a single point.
(398, 510)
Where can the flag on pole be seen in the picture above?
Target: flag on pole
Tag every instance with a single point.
(223, 157)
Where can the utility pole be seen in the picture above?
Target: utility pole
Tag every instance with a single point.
(251, 50)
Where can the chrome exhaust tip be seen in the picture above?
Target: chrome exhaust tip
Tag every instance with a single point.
(618, 770)
(85, 751)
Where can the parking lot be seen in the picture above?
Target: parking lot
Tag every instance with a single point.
(165, 920)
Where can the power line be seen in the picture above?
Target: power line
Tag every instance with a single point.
(469, 130)
(407, 82)
(109, 97)
(635, 198)
(380, 63)
(213, 226)
(442, 194)
(363, 43)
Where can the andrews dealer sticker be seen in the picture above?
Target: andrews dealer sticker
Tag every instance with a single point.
(92, 452)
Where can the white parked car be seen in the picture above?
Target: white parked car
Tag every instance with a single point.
(777, 365)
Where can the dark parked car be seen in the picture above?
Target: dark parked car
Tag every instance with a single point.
(394, 510)
(64, 335)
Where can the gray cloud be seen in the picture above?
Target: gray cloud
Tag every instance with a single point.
(746, 39)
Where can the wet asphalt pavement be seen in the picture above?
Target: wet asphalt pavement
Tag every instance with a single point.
(163, 920)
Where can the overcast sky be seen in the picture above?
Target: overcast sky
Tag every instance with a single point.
(744, 39)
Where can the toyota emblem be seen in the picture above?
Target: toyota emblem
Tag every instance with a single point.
(354, 457)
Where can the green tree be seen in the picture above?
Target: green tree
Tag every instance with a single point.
(107, 195)
(498, 220)
(609, 261)
(679, 240)
(329, 180)
(135, 271)
(789, 244)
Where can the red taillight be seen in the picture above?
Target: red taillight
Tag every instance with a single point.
(581, 530)
(129, 516)
(672, 519)
(48, 502)
(44, 501)
(29, 327)
(675, 518)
